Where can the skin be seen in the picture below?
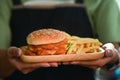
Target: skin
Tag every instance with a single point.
(110, 57)
(11, 61)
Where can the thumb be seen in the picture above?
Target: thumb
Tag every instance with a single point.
(108, 47)
(14, 52)
(108, 53)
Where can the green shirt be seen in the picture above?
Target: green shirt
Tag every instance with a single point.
(105, 19)
(5, 11)
(104, 16)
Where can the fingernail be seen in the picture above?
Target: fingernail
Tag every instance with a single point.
(75, 62)
(59, 63)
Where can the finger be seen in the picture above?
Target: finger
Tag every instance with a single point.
(99, 62)
(92, 67)
(53, 64)
(31, 67)
(108, 53)
(104, 47)
(14, 52)
(27, 70)
(88, 66)
(17, 63)
(65, 63)
(108, 46)
(34, 65)
(75, 62)
(59, 63)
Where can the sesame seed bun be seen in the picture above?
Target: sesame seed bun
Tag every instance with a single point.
(45, 36)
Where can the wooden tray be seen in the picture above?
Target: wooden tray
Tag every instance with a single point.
(63, 58)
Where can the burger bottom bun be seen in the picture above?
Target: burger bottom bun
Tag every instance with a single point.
(62, 58)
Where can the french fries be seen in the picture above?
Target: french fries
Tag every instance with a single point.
(83, 45)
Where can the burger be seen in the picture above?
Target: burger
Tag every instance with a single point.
(46, 42)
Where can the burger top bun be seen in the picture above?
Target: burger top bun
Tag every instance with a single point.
(45, 36)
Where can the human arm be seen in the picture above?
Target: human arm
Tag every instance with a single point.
(10, 56)
(6, 68)
(111, 56)
(105, 20)
(5, 7)
(10, 61)
(106, 28)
